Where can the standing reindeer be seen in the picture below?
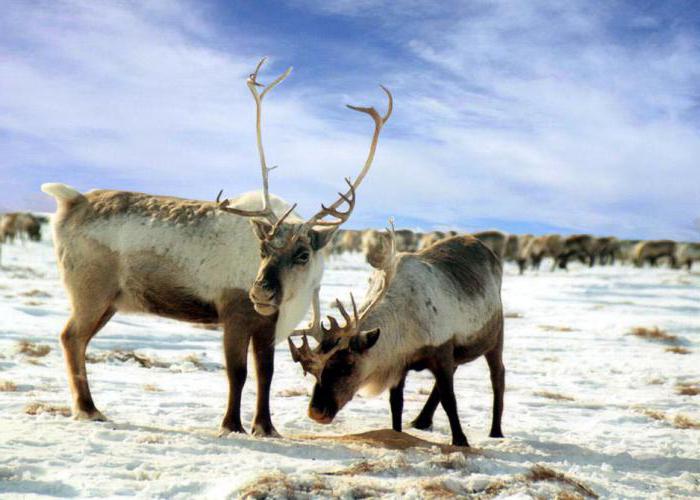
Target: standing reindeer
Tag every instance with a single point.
(435, 309)
(196, 261)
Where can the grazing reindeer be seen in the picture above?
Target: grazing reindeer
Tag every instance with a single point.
(653, 250)
(196, 261)
(435, 309)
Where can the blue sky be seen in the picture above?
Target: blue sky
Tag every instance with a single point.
(539, 116)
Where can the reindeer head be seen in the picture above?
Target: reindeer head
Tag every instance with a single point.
(291, 258)
(338, 362)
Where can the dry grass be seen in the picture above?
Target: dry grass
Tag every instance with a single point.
(655, 333)
(38, 408)
(539, 473)
(436, 489)
(150, 439)
(36, 294)
(542, 473)
(33, 350)
(656, 381)
(151, 388)
(680, 421)
(280, 485)
(367, 467)
(424, 391)
(125, 356)
(512, 315)
(685, 422)
(678, 350)
(688, 389)
(195, 360)
(293, 392)
(553, 395)
(7, 386)
(555, 328)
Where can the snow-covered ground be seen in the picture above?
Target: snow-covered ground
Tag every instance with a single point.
(584, 398)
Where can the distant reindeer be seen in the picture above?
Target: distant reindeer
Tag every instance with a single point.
(495, 240)
(606, 250)
(435, 309)
(196, 261)
(687, 253)
(653, 250)
(8, 228)
(429, 239)
(581, 246)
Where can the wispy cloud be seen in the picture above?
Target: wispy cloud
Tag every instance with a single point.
(562, 115)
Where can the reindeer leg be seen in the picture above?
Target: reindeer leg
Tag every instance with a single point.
(494, 358)
(396, 402)
(236, 342)
(264, 351)
(443, 370)
(424, 420)
(74, 339)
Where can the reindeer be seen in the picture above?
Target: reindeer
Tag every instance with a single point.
(196, 261)
(435, 309)
(653, 250)
(495, 240)
(606, 249)
(687, 253)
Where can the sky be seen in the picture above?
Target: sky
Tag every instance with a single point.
(540, 116)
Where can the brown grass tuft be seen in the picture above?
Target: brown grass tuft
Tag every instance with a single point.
(367, 467)
(655, 333)
(555, 328)
(542, 473)
(654, 414)
(280, 485)
(568, 495)
(151, 388)
(124, 356)
(553, 395)
(685, 422)
(678, 350)
(437, 489)
(33, 350)
(7, 386)
(195, 360)
(38, 408)
(688, 389)
(512, 315)
(35, 293)
(292, 392)
(424, 391)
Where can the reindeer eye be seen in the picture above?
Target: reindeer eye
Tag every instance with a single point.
(301, 257)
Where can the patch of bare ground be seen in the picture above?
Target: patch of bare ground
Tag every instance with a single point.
(437, 489)
(151, 388)
(540, 473)
(7, 386)
(688, 389)
(292, 392)
(655, 333)
(393, 440)
(678, 350)
(679, 421)
(512, 315)
(125, 356)
(38, 408)
(557, 328)
(553, 395)
(33, 350)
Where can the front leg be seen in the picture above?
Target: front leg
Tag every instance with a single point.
(264, 350)
(396, 402)
(236, 342)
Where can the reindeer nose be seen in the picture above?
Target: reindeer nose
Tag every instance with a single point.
(319, 416)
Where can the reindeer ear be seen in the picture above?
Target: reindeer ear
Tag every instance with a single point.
(363, 341)
(320, 239)
(261, 227)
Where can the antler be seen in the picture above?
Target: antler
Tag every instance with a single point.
(349, 197)
(266, 211)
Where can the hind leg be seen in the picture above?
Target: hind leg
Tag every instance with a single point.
(424, 420)
(74, 339)
(494, 358)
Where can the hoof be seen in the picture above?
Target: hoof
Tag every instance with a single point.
(95, 415)
(460, 441)
(225, 430)
(498, 434)
(265, 430)
(422, 425)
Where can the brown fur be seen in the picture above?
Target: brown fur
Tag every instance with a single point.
(651, 251)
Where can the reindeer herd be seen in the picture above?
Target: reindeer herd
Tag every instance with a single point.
(254, 266)
(528, 251)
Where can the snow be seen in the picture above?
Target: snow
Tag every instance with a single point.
(567, 336)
